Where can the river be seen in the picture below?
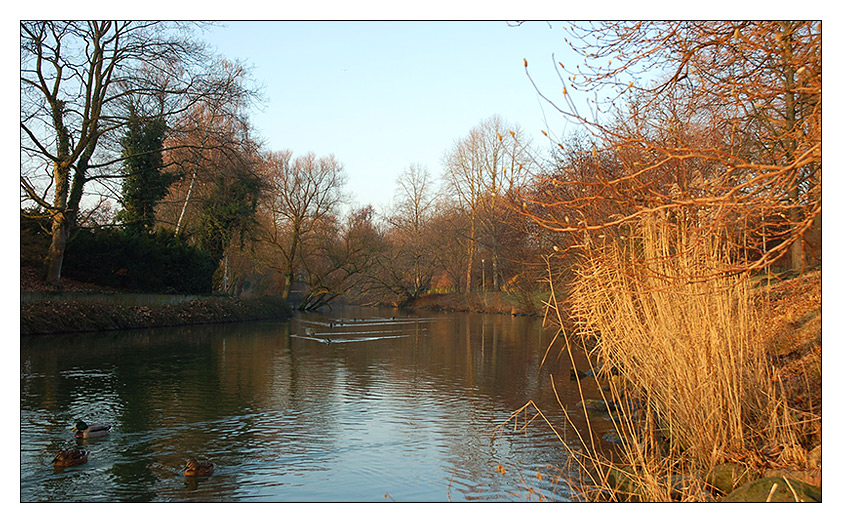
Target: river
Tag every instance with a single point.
(398, 406)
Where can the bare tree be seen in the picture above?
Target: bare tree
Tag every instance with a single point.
(77, 80)
(414, 198)
(412, 253)
(450, 226)
(730, 129)
(492, 160)
(301, 193)
(463, 176)
(339, 258)
(212, 132)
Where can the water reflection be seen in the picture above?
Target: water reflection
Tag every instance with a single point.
(408, 415)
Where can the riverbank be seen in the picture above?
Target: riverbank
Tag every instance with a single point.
(483, 302)
(87, 308)
(66, 315)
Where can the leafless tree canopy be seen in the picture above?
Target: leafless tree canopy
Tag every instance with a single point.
(719, 119)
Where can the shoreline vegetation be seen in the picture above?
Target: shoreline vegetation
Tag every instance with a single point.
(78, 308)
(711, 378)
(490, 302)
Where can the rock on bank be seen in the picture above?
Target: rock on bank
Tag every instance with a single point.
(66, 315)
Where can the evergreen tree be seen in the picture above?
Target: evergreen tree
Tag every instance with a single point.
(228, 211)
(145, 182)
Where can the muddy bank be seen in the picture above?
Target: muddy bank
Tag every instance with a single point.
(66, 315)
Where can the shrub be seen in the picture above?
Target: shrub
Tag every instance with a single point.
(34, 237)
(158, 262)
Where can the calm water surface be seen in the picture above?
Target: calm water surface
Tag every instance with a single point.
(406, 408)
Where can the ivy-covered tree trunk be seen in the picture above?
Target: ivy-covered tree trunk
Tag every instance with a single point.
(228, 212)
(66, 207)
(60, 231)
(68, 193)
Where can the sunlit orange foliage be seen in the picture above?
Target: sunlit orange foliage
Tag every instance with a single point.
(721, 120)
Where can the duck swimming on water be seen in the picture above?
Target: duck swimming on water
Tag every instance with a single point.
(70, 457)
(83, 430)
(198, 468)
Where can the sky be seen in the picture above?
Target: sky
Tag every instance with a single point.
(380, 96)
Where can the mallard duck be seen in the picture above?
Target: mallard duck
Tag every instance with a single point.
(83, 430)
(70, 457)
(198, 468)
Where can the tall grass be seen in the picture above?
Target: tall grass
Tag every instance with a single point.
(694, 386)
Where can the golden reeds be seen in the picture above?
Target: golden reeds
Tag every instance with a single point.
(681, 331)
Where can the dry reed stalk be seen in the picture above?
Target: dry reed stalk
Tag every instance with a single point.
(772, 492)
(686, 344)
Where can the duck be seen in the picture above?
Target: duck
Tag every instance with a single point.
(198, 468)
(70, 457)
(83, 430)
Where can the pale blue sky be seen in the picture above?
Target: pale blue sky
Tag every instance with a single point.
(383, 95)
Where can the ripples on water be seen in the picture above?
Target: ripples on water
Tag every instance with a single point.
(391, 409)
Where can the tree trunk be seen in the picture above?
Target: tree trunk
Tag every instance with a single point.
(67, 198)
(797, 254)
(813, 235)
(495, 275)
(796, 251)
(471, 246)
(287, 285)
(55, 254)
(795, 217)
(290, 274)
(186, 201)
(61, 177)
